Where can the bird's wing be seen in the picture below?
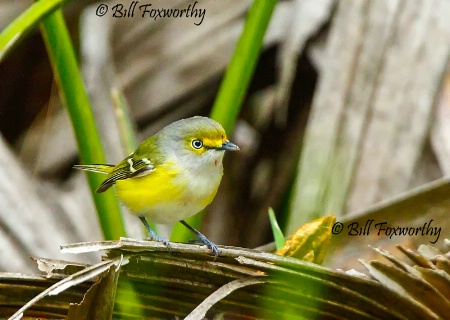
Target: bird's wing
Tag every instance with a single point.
(131, 166)
(141, 162)
(98, 168)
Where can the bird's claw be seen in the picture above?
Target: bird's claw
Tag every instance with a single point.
(211, 245)
(201, 238)
(155, 237)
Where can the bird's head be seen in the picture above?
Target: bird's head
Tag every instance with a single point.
(197, 140)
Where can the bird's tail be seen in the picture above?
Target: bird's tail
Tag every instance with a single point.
(99, 168)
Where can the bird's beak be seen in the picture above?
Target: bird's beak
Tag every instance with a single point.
(228, 146)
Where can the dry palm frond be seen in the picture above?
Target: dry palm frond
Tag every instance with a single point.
(241, 284)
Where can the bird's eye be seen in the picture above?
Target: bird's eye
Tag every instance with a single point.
(197, 144)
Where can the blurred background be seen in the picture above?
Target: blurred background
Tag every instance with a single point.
(348, 113)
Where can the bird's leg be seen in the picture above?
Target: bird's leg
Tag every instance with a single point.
(202, 239)
(152, 233)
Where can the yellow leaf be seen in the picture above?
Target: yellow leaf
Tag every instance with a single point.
(311, 241)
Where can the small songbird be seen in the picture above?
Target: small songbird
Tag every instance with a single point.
(172, 175)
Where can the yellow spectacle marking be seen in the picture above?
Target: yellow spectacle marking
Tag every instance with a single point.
(213, 143)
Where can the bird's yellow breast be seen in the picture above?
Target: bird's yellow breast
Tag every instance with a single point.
(167, 194)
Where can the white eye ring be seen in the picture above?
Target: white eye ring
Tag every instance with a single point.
(197, 144)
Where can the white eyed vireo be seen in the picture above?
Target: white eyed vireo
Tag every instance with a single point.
(172, 175)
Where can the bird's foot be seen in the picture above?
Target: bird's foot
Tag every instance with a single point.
(201, 238)
(153, 236)
(211, 245)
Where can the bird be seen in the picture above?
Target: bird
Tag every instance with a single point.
(172, 175)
